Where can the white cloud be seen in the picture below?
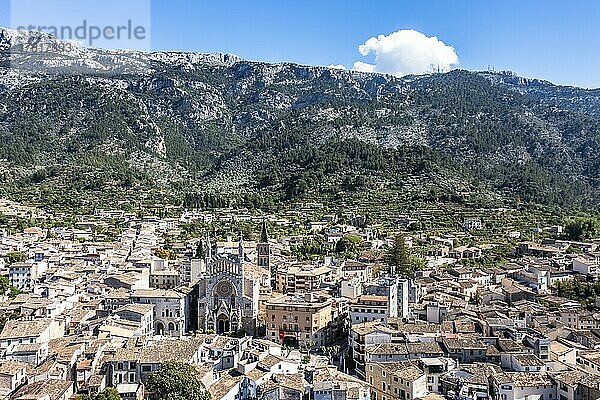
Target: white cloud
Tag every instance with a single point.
(363, 66)
(406, 52)
(336, 66)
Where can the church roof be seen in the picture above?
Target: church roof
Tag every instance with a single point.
(234, 258)
(157, 293)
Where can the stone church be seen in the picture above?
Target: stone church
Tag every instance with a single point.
(228, 298)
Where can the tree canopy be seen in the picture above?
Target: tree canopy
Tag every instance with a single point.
(4, 284)
(349, 244)
(110, 393)
(399, 259)
(176, 381)
(582, 229)
(15, 256)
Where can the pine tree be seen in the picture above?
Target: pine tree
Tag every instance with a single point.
(400, 261)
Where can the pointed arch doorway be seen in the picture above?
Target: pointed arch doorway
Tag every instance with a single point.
(223, 324)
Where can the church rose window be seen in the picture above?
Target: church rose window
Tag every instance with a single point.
(224, 289)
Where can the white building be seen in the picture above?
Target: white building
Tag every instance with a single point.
(24, 275)
(140, 313)
(472, 224)
(33, 331)
(169, 309)
(367, 308)
(585, 265)
(524, 386)
(396, 290)
(12, 375)
(351, 288)
(354, 269)
(329, 383)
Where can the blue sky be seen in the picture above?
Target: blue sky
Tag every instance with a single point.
(554, 40)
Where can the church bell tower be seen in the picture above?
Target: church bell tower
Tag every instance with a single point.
(263, 248)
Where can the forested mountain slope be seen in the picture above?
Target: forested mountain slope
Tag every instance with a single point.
(86, 123)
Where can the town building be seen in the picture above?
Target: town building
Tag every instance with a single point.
(303, 320)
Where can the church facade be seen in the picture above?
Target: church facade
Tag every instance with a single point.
(228, 299)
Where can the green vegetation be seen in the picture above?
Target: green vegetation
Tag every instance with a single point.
(165, 253)
(585, 292)
(109, 393)
(7, 288)
(496, 256)
(15, 256)
(399, 259)
(7, 317)
(447, 139)
(176, 381)
(4, 285)
(311, 248)
(582, 229)
(349, 246)
(13, 292)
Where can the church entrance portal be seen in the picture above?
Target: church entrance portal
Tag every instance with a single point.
(290, 341)
(222, 325)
